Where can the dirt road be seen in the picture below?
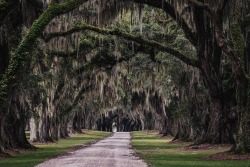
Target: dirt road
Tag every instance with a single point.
(114, 151)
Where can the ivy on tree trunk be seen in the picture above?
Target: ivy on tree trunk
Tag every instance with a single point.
(20, 58)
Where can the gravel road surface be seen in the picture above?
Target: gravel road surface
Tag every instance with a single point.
(114, 151)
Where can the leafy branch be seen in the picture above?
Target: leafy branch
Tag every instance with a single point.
(20, 58)
(139, 39)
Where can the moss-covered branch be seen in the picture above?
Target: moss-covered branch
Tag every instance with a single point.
(62, 53)
(76, 100)
(20, 58)
(235, 52)
(131, 37)
(169, 9)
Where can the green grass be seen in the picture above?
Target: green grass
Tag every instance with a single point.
(32, 158)
(27, 133)
(160, 153)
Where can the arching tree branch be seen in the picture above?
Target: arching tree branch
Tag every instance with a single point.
(20, 58)
(62, 54)
(131, 37)
(222, 41)
(169, 9)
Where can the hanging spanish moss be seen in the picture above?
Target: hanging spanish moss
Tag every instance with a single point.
(183, 71)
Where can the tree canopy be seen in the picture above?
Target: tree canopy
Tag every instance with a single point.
(181, 67)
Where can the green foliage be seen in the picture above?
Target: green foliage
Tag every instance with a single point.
(238, 40)
(104, 59)
(20, 57)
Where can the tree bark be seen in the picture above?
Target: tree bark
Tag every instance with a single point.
(240, 69)
(242, 144)
(54, 128)
(77, 122)
(13, 123)
(64, 128)
(13, 132)
(33, 130)
(43, 128)
(213, 134)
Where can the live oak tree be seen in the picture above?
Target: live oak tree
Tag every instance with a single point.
(205, 25)
(206, 34)
(19, 60)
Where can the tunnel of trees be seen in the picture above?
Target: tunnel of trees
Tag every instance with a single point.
(178, 66)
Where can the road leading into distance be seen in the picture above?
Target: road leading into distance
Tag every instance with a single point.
(114, 151)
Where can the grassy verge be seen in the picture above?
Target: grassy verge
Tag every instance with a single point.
(32, 158)
(160, 153)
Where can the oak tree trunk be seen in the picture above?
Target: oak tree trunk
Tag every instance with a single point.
(33, 130)
(242, 144)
